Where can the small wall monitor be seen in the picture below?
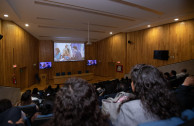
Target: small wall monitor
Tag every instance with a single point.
(91, 62)
(161, 54)
(45, 65)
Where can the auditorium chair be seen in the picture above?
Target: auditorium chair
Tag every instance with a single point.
(62, 73)
(79, 72)
(58, 74)
(69, 73)
(29, 110)
(41, 119)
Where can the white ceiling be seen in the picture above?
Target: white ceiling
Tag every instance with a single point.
(67, 20)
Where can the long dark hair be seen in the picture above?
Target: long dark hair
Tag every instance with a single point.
(76, 104)
(151, 88)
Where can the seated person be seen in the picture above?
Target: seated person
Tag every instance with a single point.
(76, 105)
(45, 109)
(185, 93)
(10, 115)
(173, 74)
(167, 76)
(49, 91)
(35, 93)
(26, 100)
(183, 73)
(154, 100)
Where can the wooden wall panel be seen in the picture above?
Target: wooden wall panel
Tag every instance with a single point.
(111, 50)
(1, 57)
(178, 38)
(20, 48)
(46, 53)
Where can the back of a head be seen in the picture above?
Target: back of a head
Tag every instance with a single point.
(47, 107)
(76, 104)
(35, 91)
(121, 87)
(184, 70)
(26, 98)
(173, 72)
(5, 104)
(151, 88)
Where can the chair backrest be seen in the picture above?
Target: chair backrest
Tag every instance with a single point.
(29, 110)
(79, 72)
(58, 74)
(62, 73)
(41, 119)
(69, 73)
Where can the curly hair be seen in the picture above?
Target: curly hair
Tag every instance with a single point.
(151, 88)
(76, 104)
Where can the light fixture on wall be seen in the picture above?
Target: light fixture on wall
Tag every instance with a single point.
(88, 43)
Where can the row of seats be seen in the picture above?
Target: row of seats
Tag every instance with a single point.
(69, 73)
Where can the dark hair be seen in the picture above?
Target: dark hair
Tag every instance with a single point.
(26, 98)
(184, 70)
(5, 104)
(167, 75)
(76, 104)
(121, 87)
(151, 88)
(173, 72)
(47, 107)
(35, 91)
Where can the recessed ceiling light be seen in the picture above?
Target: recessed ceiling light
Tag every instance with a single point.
(6, 15)
(26, 25)
(176, 19)
(110, 33)
(149, 26)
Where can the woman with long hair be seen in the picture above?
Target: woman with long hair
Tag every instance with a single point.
(76, 105)
(154, 100)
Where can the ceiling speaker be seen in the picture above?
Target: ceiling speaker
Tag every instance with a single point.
(1, 36)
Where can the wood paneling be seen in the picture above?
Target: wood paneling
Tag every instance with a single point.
(178, 38)
(20, 48)
(111, 50)
(46, 53)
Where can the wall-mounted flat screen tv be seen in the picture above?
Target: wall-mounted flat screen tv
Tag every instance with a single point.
(69, 52)
(91, 62)
(161, 54)
(45, 65)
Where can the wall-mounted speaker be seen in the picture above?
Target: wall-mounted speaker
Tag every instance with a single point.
(129, 42)
(1, 36)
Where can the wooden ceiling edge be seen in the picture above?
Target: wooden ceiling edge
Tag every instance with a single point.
(86, 10)
(138, 6)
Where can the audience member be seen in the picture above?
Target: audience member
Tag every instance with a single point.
(167, 75)
(154, 100)
(57, 88)
(185, 93)
(173, 74)
(49, 91)
(182, 73)
(76, 105)
(25, 99)
(35, 93)
(9, 116)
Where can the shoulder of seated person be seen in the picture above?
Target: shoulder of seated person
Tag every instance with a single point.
(132, 103)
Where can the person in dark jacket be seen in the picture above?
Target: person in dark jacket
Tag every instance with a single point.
(185, 93)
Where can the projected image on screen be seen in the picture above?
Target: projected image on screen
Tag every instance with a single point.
(69, 51)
